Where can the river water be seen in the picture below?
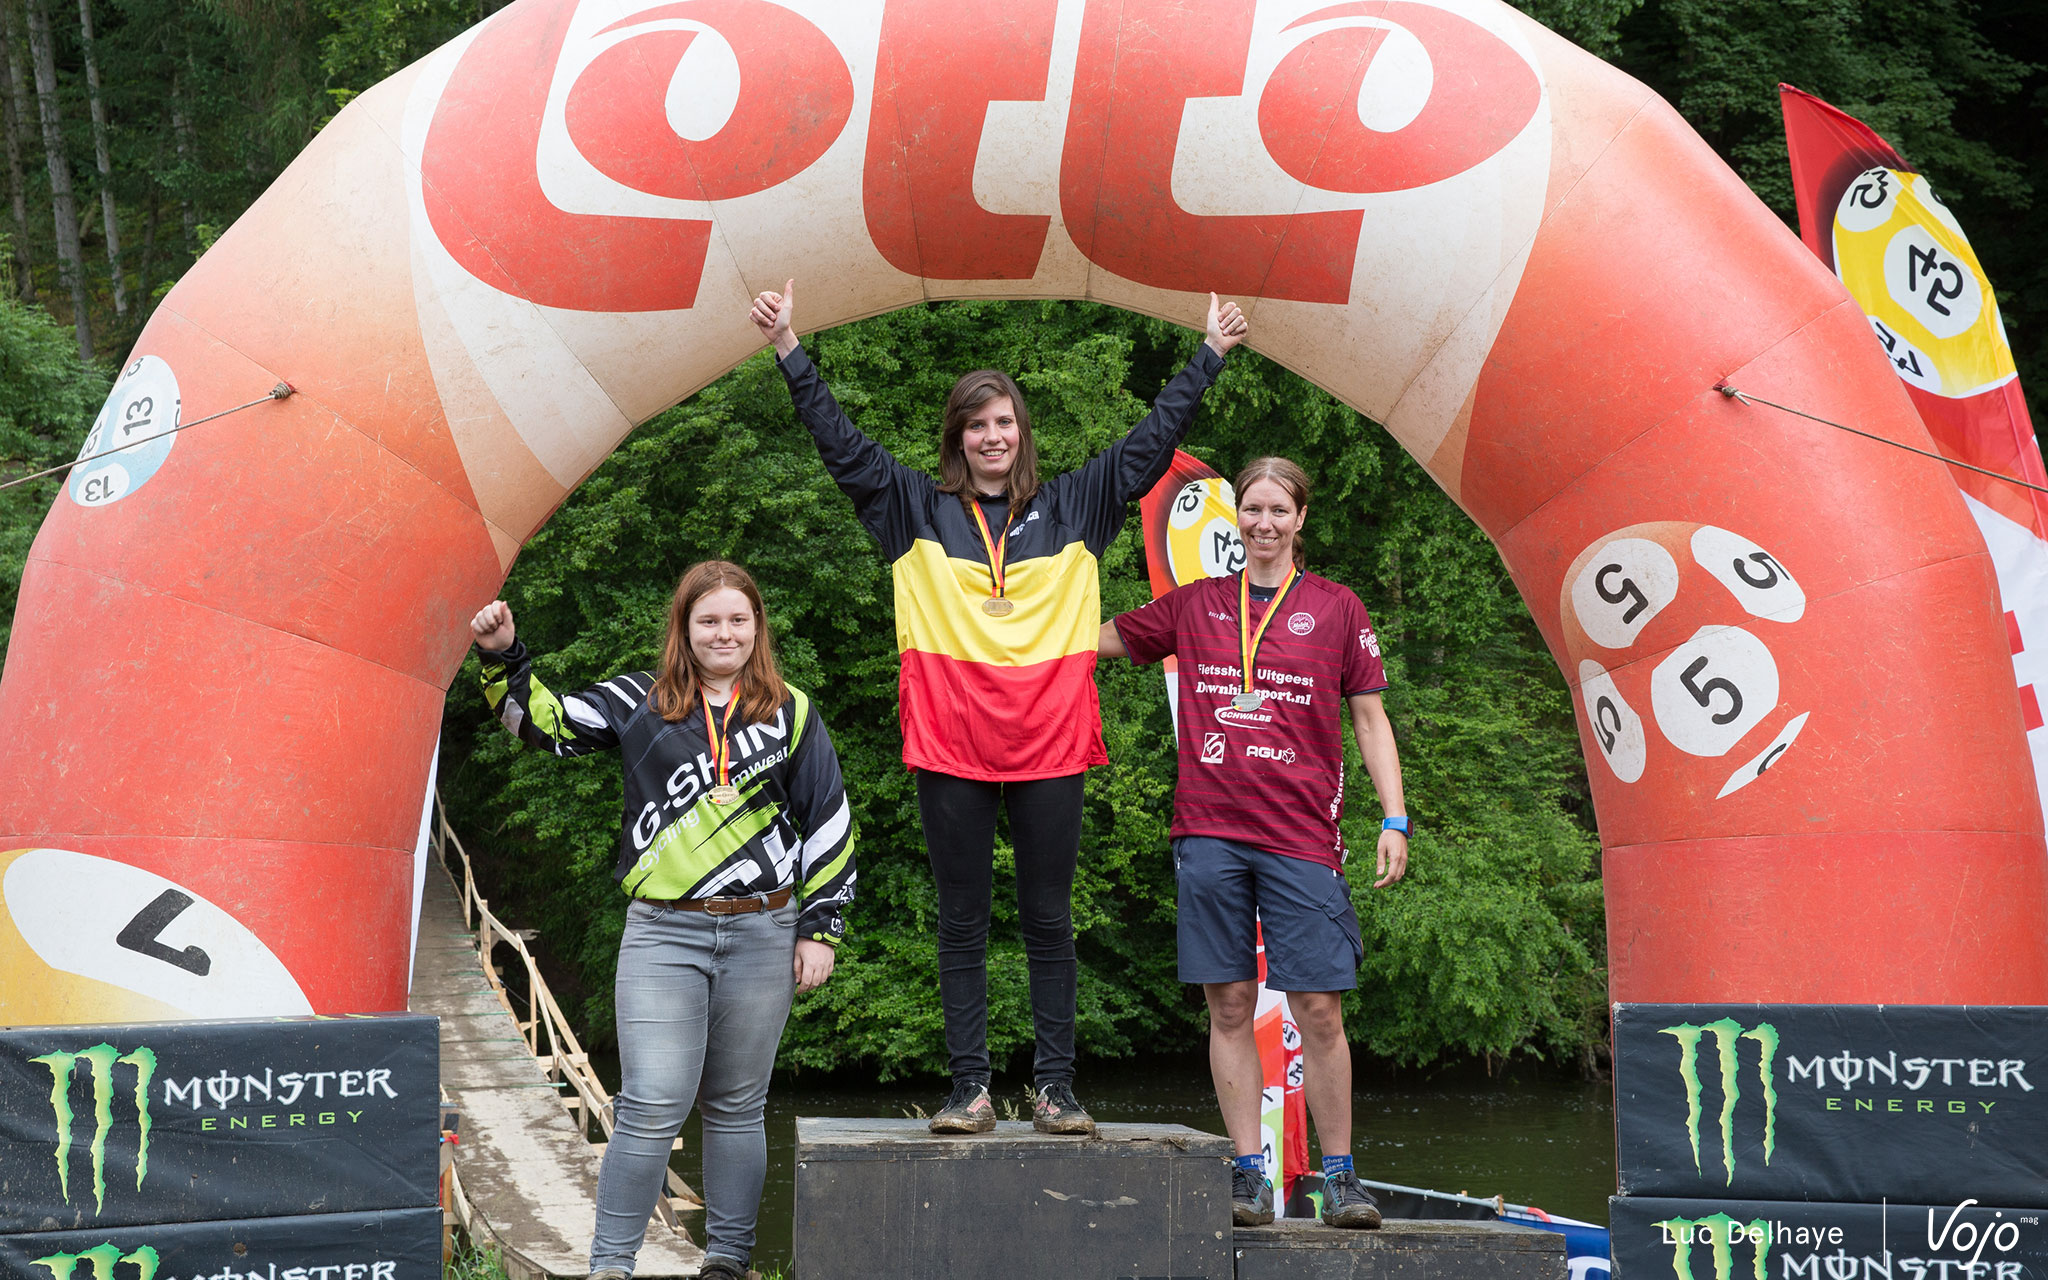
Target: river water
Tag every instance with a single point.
(1532, 1138)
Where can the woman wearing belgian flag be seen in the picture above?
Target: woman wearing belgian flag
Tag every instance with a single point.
(736, 848)
(997, 602)
(1267, 656)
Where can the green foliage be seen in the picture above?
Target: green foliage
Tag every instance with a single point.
(1493, 948)
(1900, 67)
(370, 39)
(475, 1263)
(47, 402)
(1591, 23)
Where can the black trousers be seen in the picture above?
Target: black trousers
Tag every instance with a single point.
(959, 817)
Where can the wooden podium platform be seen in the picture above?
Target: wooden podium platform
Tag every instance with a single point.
(1140, 1202)
(1403, 1249)
(889, 1198)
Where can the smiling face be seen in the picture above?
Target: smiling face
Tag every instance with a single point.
(722, 633)
(1268, 521)
(990, 443)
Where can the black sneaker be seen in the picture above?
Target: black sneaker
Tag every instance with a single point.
(1346, 1204)
(1055, 1110)
(1251, 1198)
(967, 1111)
(719, 1267)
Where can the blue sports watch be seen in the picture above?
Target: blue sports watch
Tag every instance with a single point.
(1401, 824)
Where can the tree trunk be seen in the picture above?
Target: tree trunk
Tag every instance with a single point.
(181, 131)
(145, 284)
(70, 258)
(13, 81)
(102, 154)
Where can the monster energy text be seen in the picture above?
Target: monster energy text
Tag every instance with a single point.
(1800, 1256)
(100, 1264)
(113, 1092)
(1842, 1074)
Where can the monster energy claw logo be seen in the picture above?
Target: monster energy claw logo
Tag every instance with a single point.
(1727, 1034)
(1719, 1232)
(104, 1259)
(99, 1062)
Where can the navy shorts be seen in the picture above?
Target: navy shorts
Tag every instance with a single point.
(1226, 888)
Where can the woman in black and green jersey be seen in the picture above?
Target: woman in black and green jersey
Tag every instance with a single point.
(736, 849)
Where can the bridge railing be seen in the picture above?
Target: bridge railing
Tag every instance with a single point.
(544, 1028)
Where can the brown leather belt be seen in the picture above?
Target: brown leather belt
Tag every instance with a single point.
(725, 906)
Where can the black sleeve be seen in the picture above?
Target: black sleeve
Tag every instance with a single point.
(887, 495)
(819, 810)
(1104, 488)
(570, 724)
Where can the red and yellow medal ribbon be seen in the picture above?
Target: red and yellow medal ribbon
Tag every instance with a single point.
(995, 547)
(721, 743)
(1248, 639)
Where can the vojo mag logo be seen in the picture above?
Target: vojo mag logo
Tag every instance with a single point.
(102, 1260)
(99, 1063)
(1727, 1035)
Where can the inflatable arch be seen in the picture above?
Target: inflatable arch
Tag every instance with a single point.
(233, 643)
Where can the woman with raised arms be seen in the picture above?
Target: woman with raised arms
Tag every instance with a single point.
(736, 850)
(1267, 657)
(996, 606)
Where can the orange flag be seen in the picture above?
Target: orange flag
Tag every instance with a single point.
(1904, 258)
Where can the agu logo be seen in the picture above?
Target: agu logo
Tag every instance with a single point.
(1212, 748)
(99, 1062)
(1728, 1035)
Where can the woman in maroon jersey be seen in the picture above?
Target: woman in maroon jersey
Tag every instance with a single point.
(1266, 657)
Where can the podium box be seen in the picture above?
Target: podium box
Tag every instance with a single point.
(1403, 1249)
(400, 1244)
(888, 1197)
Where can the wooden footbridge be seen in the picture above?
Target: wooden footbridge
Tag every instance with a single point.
(533, 1116)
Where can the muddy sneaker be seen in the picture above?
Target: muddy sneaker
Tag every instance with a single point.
(1055, 1110)
(1251, 1198)
(967, 1111)
(610, 1273)
(719, 1267)
(1346, 1204)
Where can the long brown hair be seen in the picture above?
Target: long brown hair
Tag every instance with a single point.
(758, 690)
(970, 393)
(1285, 473)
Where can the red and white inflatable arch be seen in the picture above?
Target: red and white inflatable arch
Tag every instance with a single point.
(229, 660)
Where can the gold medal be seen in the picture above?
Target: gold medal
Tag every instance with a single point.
(721, 748)
(997, 605)
(1248, 639)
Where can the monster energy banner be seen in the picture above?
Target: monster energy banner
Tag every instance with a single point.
(403, 1244)
(1863, 1103)
(1656, 1239)
(104, 1126)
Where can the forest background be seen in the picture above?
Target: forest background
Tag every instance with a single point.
(136, 130)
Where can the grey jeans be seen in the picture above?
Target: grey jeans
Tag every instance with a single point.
(701, 1001)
